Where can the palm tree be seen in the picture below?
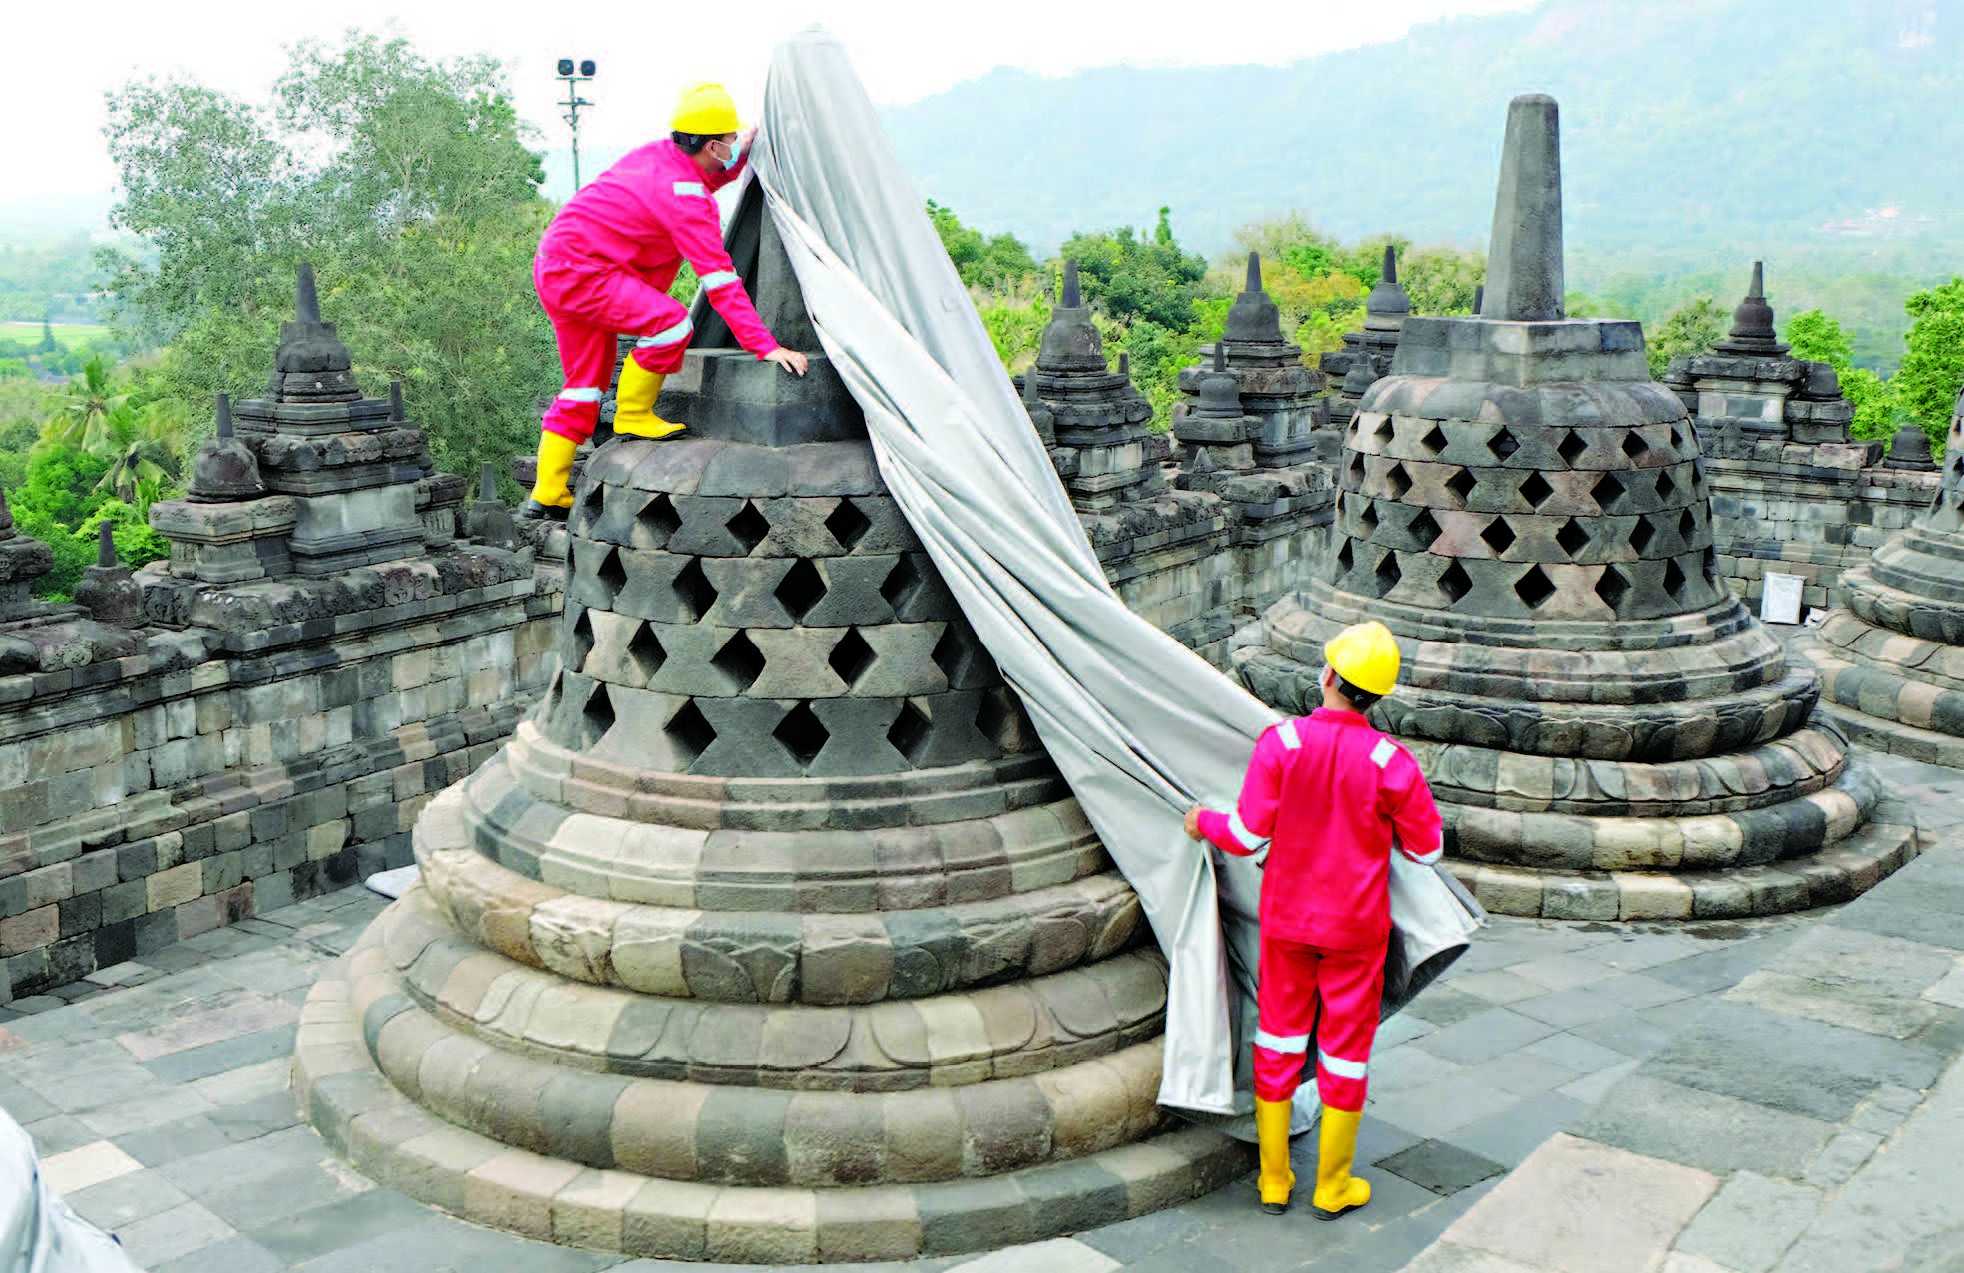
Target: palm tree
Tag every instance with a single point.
(81, 421)
(143, 444)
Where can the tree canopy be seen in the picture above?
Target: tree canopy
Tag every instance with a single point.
(407, 182)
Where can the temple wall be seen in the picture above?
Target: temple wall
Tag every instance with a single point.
(1806, 519)
(147, 799)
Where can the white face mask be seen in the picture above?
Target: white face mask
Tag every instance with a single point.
(736, 153)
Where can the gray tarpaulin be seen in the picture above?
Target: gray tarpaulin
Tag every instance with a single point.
(1140, 726)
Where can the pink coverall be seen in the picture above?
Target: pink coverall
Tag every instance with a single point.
(605, 265)
(1331, 796)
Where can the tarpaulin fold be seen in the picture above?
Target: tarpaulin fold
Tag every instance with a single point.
(1139, 725)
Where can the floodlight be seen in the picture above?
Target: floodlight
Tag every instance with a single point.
(565, 66)
(586, 68)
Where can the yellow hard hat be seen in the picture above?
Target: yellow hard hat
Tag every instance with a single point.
(1366, 655)
(707, 110)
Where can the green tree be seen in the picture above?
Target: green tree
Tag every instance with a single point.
(1813, 336)
(47, 345)
(143, 455)
(1927, 384)
(992, 263)
(1130, 278)
(1442, 280)
(1690, 329)
(81, 418)
(408, 184)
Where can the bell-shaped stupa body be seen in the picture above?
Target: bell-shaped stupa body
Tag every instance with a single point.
(1892, 659)
(1609, 732)
(772, 935)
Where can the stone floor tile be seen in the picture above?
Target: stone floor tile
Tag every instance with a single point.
(1377, 1139)
(438, 1243)
(1751, 1222)
(143, 1112)
(1451, 1257)
(1509, 1137)
(302, 1236)
(1441, 1166)
(200, 1174)
(1409, 1066)
(1484, 1036)
(24, 1106)
(1631, 1035)
(81, 1090)
(1442, 1005)
(1525, 1074)
(247, 1083)
(254, 1202)
(233, 1255)
(1566, 1009)
(1128, 1240)
(125, 1199)
(1559, 972)
(227, 1054)
(163, 1237)
(58, 1133)
(1637, 951)
(1591, 1088)
(1637, 990)
(1574, 1052)
(90, 1164)
(168, 1142)
(1704, 1129)
(224, 1016)
(1499, 986)
(1435, 1111)
(1594, 1206)
(1842, 1157)
(1064, 1255)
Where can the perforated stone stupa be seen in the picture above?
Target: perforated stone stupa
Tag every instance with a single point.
(772, 935)
(1892, 658)
(1610, 733)
(1791, 490)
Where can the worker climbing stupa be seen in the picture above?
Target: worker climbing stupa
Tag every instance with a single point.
(605, 266)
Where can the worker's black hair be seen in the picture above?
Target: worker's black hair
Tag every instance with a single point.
(690, 143)
(1362, 700)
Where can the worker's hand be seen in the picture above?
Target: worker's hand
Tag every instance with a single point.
(789, 359)
(1193, 823)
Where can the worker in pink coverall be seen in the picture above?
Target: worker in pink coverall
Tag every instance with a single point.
(1332, 799)
(605, 266)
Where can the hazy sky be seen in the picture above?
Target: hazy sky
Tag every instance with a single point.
(53, 74)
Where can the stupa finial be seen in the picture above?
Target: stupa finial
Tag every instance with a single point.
(224, 415)
(1220, 355)
(306, 301)
(487, 482)
(1390, 264)
(1254, 272)
(1072, 298)
(1524, 256)
(105, 547)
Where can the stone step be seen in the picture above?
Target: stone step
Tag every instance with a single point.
(1833, 875)
(1026, 1027)
(398, 1143)
(1895, 737)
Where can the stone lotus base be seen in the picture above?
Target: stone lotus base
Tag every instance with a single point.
(396, 1066)
(1890, 691)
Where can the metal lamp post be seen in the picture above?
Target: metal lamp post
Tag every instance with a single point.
(574, 76)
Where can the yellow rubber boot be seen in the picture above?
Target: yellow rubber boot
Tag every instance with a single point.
(1337, 1191)
(634, 404)
(1272, 1137)
(551, 493)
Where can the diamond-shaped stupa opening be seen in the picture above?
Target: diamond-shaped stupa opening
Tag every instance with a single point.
(1399, 481)
(1455, 583)
(901, 581)
(1634, 446)
(694, 591)
(801, 588)
(851, 657)
(848, 525)
(1641, 534)
(740, 660)
(909, 731)
(1687, 525)
(597, 717)
(1434, 441)
(690, 731)
(1665, 487)
(1388, 573)
(582, 641)
(1423, 529)
(611, 574)
(749, 526)
(1536, 490)
(1607, 491)
(658, 520)
(1612, 587)
(1503, 444)
(1498, 535)
(1572, 537)
(646, 653)
(1674, 579)
(1462, 485)
(1345, 559)
(1534, 588)
(1572, 447)
(802, 734)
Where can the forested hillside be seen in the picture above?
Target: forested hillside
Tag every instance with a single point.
(1723, 124)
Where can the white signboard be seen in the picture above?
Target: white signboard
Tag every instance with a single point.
(1780, 601)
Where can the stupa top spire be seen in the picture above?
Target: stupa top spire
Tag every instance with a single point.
(1524, 255)
(1752, 322)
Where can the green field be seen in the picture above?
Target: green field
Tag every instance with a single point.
(67, 335)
